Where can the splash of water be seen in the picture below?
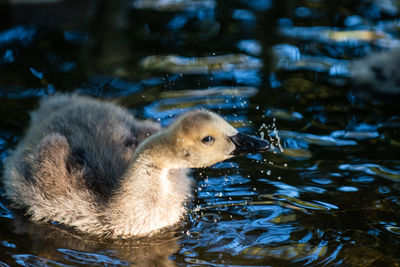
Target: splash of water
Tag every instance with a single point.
(274, 139)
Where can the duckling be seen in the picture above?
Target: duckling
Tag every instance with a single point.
(91, 165)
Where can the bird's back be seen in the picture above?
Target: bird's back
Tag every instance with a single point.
(76, 148)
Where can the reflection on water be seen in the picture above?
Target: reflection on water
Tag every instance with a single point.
(173, 5)
(328, 194)
(64, 246)
(176, 64)
(328, 35)
(290, 59)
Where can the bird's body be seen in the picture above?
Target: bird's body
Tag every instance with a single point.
(91, 165)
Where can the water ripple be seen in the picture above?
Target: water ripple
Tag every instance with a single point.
(91, 258)
(173, 5)
(289, 58)
(200, 65)
(302, 203)
(22, 93)
(241, 91)
(393, 229)
(321, 140)
(24, 35)
(33, 260)
(8, 244)
(106, 86)
(284, 114)
(294, 252)
(334, 35)
(372, 169)
(4, 212)
(173, 103)
(251, 47)
(360, 135)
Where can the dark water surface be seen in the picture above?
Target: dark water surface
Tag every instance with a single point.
(332, 197)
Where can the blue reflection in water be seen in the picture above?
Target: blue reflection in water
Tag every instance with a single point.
(323, 181)
(285, 189)
(384, 189)
(243, 14)
(4, 212)
(372, 169)
(327, 205)
(302, 12)
(168, 5)
(347, 189)
(91, 258)
(179, 21)
(245, 77)
(363, 179)
(225, 165)
(258, 5)
(23, 93)
(314, 189)
(76, 36)
(24, 35)
(316, 139)
(108, 86)
(251, 47)
(166, 108)
(8, 244)
(36, 73)
(33, 260)
(8, 57)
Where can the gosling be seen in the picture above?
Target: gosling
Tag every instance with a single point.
(92, 166)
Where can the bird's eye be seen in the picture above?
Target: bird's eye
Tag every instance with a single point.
(208, 140)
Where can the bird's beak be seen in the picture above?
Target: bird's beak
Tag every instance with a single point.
(247, 144)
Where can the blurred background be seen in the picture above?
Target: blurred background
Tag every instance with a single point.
(298, 73)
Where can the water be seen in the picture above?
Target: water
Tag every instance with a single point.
(328, 194)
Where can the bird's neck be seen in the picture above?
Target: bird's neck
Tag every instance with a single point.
(151, 192)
